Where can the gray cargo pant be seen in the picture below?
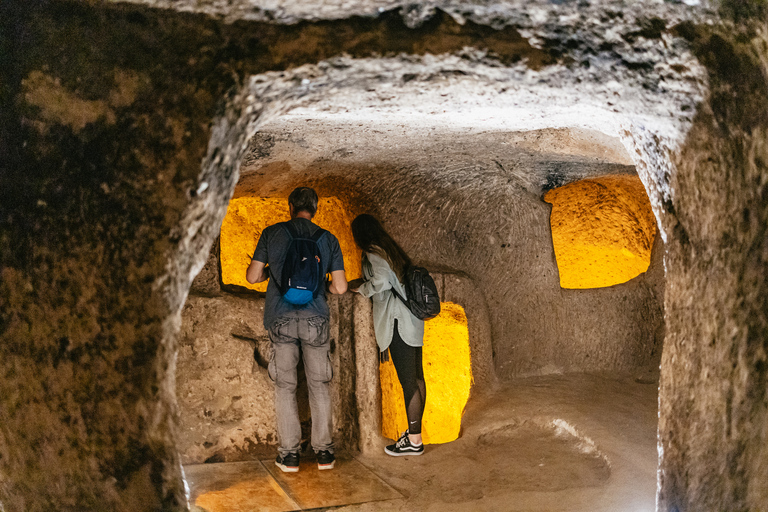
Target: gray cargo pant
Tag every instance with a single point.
(311, 334)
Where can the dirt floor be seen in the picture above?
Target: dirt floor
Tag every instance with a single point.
(581, 442)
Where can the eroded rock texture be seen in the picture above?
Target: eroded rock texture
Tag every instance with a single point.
(473, 203)
(713, 437)
(225, 396)
(106, 212)
(102, 164)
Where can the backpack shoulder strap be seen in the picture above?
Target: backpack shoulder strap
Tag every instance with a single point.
(318, 234)
(399, 296)
(290, 229)
(404, 300)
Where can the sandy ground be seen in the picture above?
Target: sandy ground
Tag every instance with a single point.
(579, 442)
(554, 443)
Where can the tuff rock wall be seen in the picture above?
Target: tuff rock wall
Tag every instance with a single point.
(107, 115)
(106, 214)
(713, 419)
(473, 203)
(225, 395)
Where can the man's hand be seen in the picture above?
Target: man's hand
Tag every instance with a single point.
(257, 272)
(338, 282)
(355, 284)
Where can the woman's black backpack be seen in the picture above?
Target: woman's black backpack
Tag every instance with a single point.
(422, 298)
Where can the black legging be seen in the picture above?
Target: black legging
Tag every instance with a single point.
(410, 373)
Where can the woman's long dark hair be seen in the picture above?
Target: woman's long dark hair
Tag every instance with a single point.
(371, 237)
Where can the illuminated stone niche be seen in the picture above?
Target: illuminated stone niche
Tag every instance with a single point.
(602, 230)
(248, 216)
(448, 376)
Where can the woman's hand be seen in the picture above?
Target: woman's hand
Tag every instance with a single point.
(355, 284)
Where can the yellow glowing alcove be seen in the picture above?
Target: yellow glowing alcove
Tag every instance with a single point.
(248, 216)
(448, 375)
(602, 231)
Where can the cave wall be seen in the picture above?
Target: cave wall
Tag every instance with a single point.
(225, 395)
(474, 203)
(226, 404)
(713, 419)
(537, 327)
(101, 162)
(104, 217)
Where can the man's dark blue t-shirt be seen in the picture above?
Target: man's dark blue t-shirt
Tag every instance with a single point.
(271, 250)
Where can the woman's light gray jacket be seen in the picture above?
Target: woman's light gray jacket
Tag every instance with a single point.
(379, 280)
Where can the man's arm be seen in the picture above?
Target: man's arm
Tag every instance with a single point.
(257, 273)
(338, 282)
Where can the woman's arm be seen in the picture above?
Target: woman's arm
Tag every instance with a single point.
(355, 284)
(380, 279)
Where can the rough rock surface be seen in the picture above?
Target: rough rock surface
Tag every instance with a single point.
(713, 439)
(460, 290)
(225, 397)
(106, 214)
(367, 387)
(473, 203)
(208, 281)
(603, 230)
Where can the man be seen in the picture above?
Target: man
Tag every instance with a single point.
(304, 326)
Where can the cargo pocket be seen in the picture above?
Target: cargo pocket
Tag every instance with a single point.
(279, 332)
(318, 331)
(271, 369)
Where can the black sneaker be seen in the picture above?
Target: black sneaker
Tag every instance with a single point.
(325, 460)
(403, 446)
(288, 463)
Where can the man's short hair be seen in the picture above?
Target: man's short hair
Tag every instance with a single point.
(303, 199)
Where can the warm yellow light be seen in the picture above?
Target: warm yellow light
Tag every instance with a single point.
(257, 494)
(448, 375)
(602, 231)
(248, 216)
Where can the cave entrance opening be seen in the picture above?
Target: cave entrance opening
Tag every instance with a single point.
(466, 190)
(247, 217)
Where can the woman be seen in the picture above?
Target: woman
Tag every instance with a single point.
(384, 265)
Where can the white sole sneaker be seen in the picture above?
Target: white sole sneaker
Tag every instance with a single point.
(287, 469)
(403, 453)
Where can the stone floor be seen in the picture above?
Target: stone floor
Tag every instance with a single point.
(555, 443)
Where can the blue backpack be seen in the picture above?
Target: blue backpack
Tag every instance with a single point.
(302, 276)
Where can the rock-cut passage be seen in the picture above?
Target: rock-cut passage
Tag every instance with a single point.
(602, 231)
(248, 216)
(448, 375)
